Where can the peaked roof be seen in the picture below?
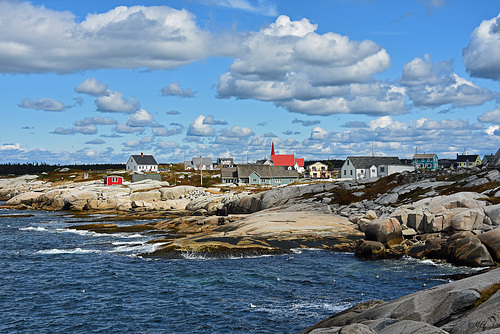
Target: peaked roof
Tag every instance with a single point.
(266, 171)
(144, 159)
(467, 157)
(367, 162)
(202, 161)
(424, 156)
(283, 159)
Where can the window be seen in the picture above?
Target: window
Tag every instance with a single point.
(345, 172)
(351, 171)
(382, 169)
(362, 171)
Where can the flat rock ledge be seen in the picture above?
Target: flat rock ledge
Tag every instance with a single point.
(469, 305)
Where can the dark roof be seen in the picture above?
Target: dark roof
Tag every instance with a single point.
(202, 161)
(229, 172)
(467, 157)
(367, 162)
(143, 159)
(266, 171)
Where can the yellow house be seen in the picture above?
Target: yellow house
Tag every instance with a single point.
(318, 170)
(470, 160)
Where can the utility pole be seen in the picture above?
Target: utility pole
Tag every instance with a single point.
(201, 170)
(373, 148)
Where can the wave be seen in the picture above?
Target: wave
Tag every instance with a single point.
(68, 251)
(33, 228)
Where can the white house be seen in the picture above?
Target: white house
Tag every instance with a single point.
(142, 163)
(359, 168)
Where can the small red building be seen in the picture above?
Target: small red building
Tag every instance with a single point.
(113, 179)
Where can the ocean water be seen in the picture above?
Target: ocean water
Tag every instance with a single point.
(53, 280)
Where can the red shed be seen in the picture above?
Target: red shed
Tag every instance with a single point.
(113, 179)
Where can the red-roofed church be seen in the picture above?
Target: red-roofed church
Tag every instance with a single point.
(288, 160)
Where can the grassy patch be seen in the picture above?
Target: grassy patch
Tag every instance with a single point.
(487, 293)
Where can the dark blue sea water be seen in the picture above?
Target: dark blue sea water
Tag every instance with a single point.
(53, 280)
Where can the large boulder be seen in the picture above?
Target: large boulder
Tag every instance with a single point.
(468, 220)
(469, 251)
(147, 196)
(385, 230)
(493, 213)
(27, 198)
(371, 250)
(176, 192)
(78, 200)
(491, 240)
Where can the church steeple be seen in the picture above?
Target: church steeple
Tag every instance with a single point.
(272, 150)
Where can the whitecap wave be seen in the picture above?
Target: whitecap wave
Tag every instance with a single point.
(69, 251)
(33, 228)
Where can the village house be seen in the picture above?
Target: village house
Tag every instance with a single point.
(359, 168)
(318, 170)
(468, 160)
(225, 162)
(287, 160)
(142, 163)
(199, 164)
(425, 161)
(259, 174)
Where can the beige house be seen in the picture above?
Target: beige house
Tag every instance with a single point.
(318, 170)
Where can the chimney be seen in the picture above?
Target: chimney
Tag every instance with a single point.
(272, 150)
(142, 154)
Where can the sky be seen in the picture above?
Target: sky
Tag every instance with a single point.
(86, 82)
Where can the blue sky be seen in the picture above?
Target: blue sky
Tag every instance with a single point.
(96, 81)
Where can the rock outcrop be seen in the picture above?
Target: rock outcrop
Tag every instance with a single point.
(470, 305)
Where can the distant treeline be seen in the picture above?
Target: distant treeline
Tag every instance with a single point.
(37, 168)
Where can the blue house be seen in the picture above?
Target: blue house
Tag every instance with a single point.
(425, 161)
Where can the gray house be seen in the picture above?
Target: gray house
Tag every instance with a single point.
(225, 162)
(199, 164)
(359, 168)
(259, 174)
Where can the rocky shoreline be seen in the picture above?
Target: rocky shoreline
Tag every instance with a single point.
(453, 217)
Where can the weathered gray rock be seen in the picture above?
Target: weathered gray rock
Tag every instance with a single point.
(410, 326)
(371, 250)
(483, 318)
(176, 192)
(469, 251)
(493, 175)
(491, 240)
(385, 230)
(441, 309)
(493, 213)
(467, 220)
(78, 200)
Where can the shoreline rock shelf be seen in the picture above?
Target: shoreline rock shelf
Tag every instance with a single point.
(469, 305)
(423, 215)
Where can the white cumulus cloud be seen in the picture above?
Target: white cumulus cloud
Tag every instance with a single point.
(174, 89)
(481, 54)
(115, 102)
(38, 39)
(43, 104)
(92, 87)
(199, 129)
